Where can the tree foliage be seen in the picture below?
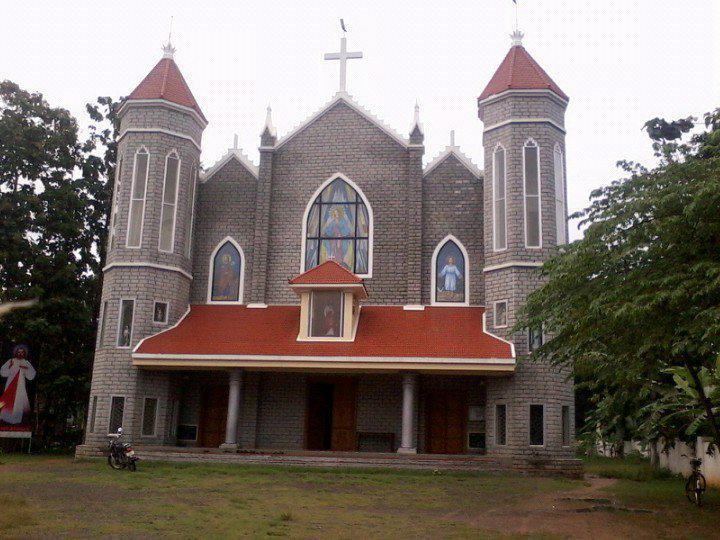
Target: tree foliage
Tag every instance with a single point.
(54, 200)
(634, 306)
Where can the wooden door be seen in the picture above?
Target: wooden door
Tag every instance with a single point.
(344, 417)
(213, 418)
(445, 421)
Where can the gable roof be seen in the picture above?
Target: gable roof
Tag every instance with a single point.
(449, 338)
(236, 154)
(327, 273)
(462, 158)
(520, 71)
(166, 82)
(344, 97)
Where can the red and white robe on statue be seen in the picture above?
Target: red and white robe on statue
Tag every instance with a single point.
(14, 400)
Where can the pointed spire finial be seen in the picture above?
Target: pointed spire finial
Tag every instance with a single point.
(269, 127)
(452, 137)
(517, 37)
(235, 142)
(168, 49)
(417, 113)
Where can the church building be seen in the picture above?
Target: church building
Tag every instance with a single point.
(341, 295)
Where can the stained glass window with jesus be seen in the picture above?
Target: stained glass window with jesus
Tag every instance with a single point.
(338, 228)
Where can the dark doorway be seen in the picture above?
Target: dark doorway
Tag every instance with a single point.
(213, 416)
(445, 414)
(319, 416)
(332, 414)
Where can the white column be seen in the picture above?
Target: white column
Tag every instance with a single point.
(233, 413)
(409, 383)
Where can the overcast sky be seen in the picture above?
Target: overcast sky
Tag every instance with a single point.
(621, 62)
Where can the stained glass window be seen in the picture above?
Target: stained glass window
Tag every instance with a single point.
(338, 228)
(450, 274)
(227, 267)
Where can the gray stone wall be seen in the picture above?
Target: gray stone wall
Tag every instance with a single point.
(225, 207)
(453, 204)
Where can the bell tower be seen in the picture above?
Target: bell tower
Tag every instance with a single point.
(146, 281)
(523, 112)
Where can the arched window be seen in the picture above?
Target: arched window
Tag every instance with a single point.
(450, 280)
(168, 212)
(338, 226)
(531, 186)
(560, 214)
(227, 268)
(499, 205)
(138, 193)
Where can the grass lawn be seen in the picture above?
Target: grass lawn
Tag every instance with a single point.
(51, 496)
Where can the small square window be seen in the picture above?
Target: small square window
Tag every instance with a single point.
(501, 314)
(160, 313)
(537, 425)
(124, 338)
(326, 314)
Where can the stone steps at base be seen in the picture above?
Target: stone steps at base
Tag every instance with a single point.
(567, 467)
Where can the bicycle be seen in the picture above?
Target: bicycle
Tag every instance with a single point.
(695, 485)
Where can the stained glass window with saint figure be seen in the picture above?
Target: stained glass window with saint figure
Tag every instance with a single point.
(227, 267)
(338, 228)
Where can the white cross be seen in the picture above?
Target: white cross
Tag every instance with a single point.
(343, 56)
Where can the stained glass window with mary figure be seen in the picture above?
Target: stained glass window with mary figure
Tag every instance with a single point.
(338, 228)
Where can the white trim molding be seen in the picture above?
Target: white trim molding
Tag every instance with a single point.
(112, 265)
(512, 264)
(523, 92)
(433, 272)
(461, 157)
(237, 155)
(212, 272)
(525, 121)
(162, 103)
(162, 131)
(346, 98)
(371, 221)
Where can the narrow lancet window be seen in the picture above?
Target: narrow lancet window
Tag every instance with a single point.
(499, 206)
(531, 167)
(169, 202)
(137, 199)
(560, 215)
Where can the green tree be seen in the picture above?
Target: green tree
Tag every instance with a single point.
(53, 208)
(638, 297)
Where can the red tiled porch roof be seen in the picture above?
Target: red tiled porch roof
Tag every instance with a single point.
(383, 331)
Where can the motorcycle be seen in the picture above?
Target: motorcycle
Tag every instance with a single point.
(121, 454)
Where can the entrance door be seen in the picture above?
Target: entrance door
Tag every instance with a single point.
(445, 423)
(332, 414)
(213, 416)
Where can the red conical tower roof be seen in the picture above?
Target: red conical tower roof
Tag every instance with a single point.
(166, 82)
(520, 71)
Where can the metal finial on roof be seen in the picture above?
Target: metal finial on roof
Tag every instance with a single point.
(416, 120)
(517, 37)
(168, 49)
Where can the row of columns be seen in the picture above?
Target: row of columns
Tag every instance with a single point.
(409, 405)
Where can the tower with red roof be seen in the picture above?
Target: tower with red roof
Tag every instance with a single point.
(148, 274)
(523, 112)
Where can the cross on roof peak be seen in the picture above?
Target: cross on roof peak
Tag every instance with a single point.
(343, 56)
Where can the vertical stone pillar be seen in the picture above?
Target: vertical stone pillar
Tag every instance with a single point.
(407, 444)
(413, 254)
(233, 413)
